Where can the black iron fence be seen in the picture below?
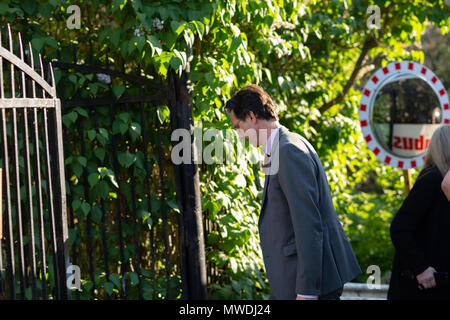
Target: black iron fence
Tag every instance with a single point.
(120, 219)
(134, 219)
(149, 219)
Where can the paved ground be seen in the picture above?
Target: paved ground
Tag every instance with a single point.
(361, 291)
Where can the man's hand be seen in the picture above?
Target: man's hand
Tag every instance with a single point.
(446, 185)
(303, 298)
(426, 278)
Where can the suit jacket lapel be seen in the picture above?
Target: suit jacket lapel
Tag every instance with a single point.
(266, 182)
(274, 149)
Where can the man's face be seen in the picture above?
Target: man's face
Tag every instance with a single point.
(247, 129)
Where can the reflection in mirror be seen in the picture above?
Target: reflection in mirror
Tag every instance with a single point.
(405, 114)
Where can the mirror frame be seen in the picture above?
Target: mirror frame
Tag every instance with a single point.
(392, 72)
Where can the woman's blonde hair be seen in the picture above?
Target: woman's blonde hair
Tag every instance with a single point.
(439, 149)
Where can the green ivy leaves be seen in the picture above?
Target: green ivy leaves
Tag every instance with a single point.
(81, 206)
(124, 124)
(301, 53)
(70, 118)
(93, 178)
(118, 90)
(155, 45)
(126, 159)
(163, 114)
(109, 174)
(177, 27)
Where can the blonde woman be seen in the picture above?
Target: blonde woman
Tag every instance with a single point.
(420, 231)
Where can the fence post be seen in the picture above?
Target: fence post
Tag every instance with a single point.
(193, 260)
(62, 233)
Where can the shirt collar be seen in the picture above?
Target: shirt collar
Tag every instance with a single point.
(270, 140)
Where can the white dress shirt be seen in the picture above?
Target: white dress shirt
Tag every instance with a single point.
(270, 140)
(268, 152)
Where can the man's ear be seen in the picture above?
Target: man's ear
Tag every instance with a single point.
(252, 117)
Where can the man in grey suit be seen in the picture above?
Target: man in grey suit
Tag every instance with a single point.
(306, 253)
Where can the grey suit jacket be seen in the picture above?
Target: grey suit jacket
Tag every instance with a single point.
(305, 249)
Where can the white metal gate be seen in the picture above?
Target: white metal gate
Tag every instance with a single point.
(33, 227)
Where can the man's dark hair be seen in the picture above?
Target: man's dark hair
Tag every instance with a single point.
(252, 98)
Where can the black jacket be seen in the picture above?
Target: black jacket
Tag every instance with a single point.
(420, 232)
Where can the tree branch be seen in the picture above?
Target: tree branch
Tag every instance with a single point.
(369, 43)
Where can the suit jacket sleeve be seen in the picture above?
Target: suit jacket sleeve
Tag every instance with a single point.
(409, 220)
(298, 181)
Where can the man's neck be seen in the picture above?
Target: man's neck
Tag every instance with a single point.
(272, 125)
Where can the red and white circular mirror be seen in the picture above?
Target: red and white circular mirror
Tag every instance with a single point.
(401, 106)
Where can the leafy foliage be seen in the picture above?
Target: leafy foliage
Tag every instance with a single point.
(312, 57)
